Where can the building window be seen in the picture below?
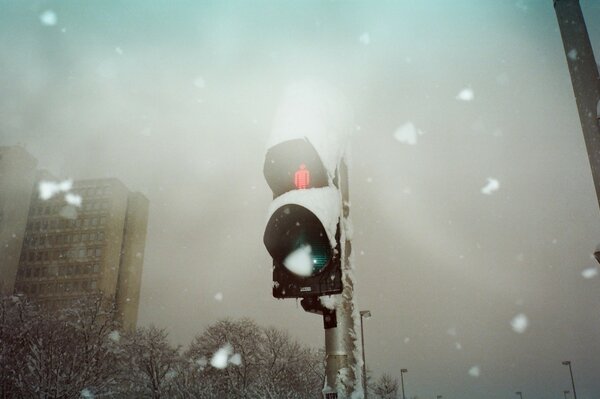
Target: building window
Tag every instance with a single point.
(81, 252)
(100, 236)
(102, 220)
(94, 284)
(96, 268)
(94, 221)
(85, 237)
(86, 222)
(98, 251)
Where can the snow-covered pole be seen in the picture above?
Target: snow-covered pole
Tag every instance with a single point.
(341, 349)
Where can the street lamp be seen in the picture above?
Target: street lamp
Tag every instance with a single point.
(520, 394)
(568, 363)
(566, 392)
(402, 371)
(366, 314)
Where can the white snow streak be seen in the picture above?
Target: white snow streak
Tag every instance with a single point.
(48, 18)
(590, 272)
(73, 199)
(407, 134)
(49, 189)
(223, 357)
(365, 39)
(466, 95)
(300, 261)
(491, 186)
(519, 323)
(474, 371)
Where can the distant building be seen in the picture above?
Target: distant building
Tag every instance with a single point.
(70, 249)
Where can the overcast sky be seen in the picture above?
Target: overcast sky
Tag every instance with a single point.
(177, 100)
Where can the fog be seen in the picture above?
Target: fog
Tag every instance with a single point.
(472, 199)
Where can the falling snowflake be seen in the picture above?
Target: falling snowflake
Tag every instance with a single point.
(48, 18)
(407, 133)
(406, 340)
(572, 54)
(365, 39)
(491, 186)
(219, 296)
(73, 199)
(199, 82)
(474, 371)
(49, 189)
(119, 50)
(87, 394)
(590, 272)
(458, 346)
(519, 323)
(224, 356)
(466, 95)
(114, 336)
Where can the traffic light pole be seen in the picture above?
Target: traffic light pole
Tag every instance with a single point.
(584, 77)
(340, 341)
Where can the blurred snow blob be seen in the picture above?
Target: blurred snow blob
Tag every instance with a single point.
(199, 82)
(300, 262)
(224, 356)
(365, 39)
(114, 336)
(407, 134)
(87, 394)
(474, 371)
(73, 199)
(219, 296)
(48, 18)
(458, 346)
(519, 323)
(572, 55)
(466, 95)
(590, 272)
(49, 189)
(491, 186)
(68, 212)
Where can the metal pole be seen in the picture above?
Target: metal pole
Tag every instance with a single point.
(402, 371)
(364, 367)
(584, 77)
(568, 363)
(520, 394)
(339, 342)
(566, 392)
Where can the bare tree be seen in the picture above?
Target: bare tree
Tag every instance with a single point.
(150, 364)
(386, 387)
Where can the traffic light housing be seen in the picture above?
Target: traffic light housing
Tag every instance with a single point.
(302, 234)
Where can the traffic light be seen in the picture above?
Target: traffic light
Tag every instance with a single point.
(303, 231)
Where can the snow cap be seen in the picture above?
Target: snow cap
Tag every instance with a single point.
(318, 112)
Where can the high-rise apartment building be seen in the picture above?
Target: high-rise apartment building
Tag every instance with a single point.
(84, 239)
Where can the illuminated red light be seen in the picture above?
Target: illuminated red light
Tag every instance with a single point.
(302, 177)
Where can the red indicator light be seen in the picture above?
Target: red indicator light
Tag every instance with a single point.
(302, 177)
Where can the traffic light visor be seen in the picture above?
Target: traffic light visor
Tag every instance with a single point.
(296, 239)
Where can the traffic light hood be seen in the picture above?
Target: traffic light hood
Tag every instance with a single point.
(325, 203)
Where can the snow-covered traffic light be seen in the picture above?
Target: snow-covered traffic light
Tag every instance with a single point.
(303, 232)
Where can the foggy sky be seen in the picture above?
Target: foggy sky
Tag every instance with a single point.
(177, 100)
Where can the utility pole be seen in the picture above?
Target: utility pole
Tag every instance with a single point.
(584, 77)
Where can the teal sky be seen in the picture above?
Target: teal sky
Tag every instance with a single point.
(177, 100)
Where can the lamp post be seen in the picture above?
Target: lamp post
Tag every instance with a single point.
(566, 392)
(402, 371)
(366, 314)
(568, 363)
(520, 394)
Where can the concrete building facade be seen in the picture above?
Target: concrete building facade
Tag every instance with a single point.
(84, 240)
